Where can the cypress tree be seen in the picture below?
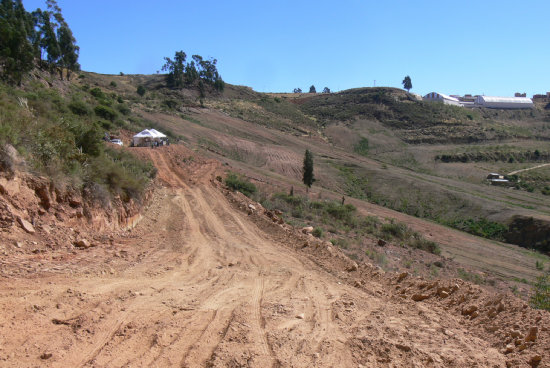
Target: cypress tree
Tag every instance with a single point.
(308, 177)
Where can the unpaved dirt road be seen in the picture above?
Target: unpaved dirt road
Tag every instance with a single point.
(198, 283)
(529, 168)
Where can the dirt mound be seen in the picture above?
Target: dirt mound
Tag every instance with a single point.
(210, 278)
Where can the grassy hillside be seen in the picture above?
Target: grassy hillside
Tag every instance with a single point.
(58, 128)
(376, 144)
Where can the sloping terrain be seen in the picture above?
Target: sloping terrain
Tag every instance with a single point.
(208, 278)
(273, 158)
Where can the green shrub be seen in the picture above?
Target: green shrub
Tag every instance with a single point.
(141, 90)
(391, 230)
(541, 292)
(237, 182)
(317, 232)
(171, 104)
(79, 108)
(418, 242)
(124, 109)
(105, 112)
(362, 147)
(97, 93)
(480, 227)
(112, 84)
(121, 173)
(340, 242)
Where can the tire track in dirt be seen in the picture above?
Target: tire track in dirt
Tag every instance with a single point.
(103, 341)
(258, 329)
(208, 339)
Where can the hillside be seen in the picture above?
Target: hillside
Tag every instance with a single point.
(360, 155)
(141, 256)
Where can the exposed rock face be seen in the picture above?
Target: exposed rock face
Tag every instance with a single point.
(6, 216)
(529, 232)
(27, 226)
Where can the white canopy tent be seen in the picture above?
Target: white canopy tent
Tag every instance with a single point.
(148, 137)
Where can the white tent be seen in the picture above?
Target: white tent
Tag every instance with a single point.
(504, 102)
(157, 133)
(147, 137)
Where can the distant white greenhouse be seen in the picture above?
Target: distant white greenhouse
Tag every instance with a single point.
(440, 97)
(494, 102)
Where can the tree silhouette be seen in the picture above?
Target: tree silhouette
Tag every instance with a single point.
(407, 84)
(312, 89)
(308, 177)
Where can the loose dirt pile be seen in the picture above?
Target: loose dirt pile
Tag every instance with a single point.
(209, 278)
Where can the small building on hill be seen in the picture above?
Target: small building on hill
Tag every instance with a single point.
(440, 97)
(494, 102)
(148, 138)
(497, 179)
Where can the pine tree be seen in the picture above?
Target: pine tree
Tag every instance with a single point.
(407, 84)
(308, 177)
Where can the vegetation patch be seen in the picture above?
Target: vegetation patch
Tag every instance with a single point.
(362, 147)
(541, 292)
(238, 182)
(480, 227)
(343, 219)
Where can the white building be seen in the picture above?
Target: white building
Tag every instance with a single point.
(440, 97)
(494, 102)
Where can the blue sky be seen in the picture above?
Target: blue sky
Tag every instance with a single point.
(453, 47)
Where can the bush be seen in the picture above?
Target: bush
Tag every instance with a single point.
(79, 108)
(236, 182)
(390, 230)
(141, 90)
(418, 242)
(105, 112)
(481, 227)
(362, 147)
(112, 84)
(317, 232)
(541, 292)
(124, 109)
(171, 104)
(97, 93)
(121, 173)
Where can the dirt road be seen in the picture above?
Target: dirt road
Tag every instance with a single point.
(529, 168)
(198, 283)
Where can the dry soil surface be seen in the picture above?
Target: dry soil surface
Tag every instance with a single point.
(207, 280)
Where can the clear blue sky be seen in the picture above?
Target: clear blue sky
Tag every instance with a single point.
(481, 47)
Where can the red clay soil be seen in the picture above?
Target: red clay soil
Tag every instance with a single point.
(209, 278)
